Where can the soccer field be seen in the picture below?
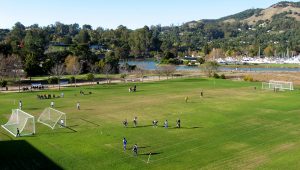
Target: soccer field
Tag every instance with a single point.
(232, 127)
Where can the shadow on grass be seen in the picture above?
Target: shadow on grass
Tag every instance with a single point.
(140, 126)
(19, 154)
(90, 122)
(152, 153)
(7, 136)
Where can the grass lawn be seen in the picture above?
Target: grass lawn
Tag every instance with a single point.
(232, 127)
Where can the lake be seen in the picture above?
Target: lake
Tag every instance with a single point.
(152, 65)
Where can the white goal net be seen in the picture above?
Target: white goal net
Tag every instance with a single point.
(52, 117)
(22, 121)
(280, 85)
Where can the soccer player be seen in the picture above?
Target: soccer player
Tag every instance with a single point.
(135, 149)
(62, 123)
(178, 123)
(124, 143)
(154, 122)
(18, 132)
(78, 106)
(166, 124)
(186, 99)
(20, 105)
(201, 93)
(52, 104)
(125, 123)
(135, 121)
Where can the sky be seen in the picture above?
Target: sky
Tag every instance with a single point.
(112, 13)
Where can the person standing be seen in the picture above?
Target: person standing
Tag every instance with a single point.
(124, 143)
(135, 149)
(125, 123)
(20, 105)
(166, 124)
(78, 106)
(52, 104)
(178, 123)
(135, 121)
(186, 99)
(18, 132)
(62, 123)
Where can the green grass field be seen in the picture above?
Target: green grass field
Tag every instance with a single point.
(232, 127)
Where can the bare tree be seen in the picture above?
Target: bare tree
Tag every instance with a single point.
(73, 66)
(106, 70)
(159, 71)
(168, 70)
(140, 71)
(58, 70)
(11, 67)
(210, 67)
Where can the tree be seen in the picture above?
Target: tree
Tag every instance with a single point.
(73, 66)
(58, 70)
(159, 71)
(107, 69)
(82, 37)
(210, 67)
(269, 51)
(31, 66)
(140, 71)
(168, 70)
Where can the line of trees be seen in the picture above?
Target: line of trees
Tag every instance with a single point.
(39, 49)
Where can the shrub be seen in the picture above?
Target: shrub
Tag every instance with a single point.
(222, 76)
(248, 78)
(3, 83)
(90, 76)
(216, 75)
(52, 80)
(72, 79)
(123, 76)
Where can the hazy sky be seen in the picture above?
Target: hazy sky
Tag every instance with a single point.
(111, 13)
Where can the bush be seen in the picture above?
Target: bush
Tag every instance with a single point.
(52, 80)
(222, 76)
(3, 83)
(72, 79)
(216, 75)
(248, 78)
(90, 76)
(123, 76)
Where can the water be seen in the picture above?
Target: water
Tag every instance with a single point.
(152, 65)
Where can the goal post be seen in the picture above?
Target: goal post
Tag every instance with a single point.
(281, 85)
(22, 121)
(52, 117)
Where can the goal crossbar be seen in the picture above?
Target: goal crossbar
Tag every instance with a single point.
(45, 117)
(281, 85)
(16, 122)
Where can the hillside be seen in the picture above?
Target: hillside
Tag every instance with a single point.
(276, 11)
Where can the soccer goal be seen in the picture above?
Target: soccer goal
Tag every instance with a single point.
(22, 121)
(52, 117)
(280, 85)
